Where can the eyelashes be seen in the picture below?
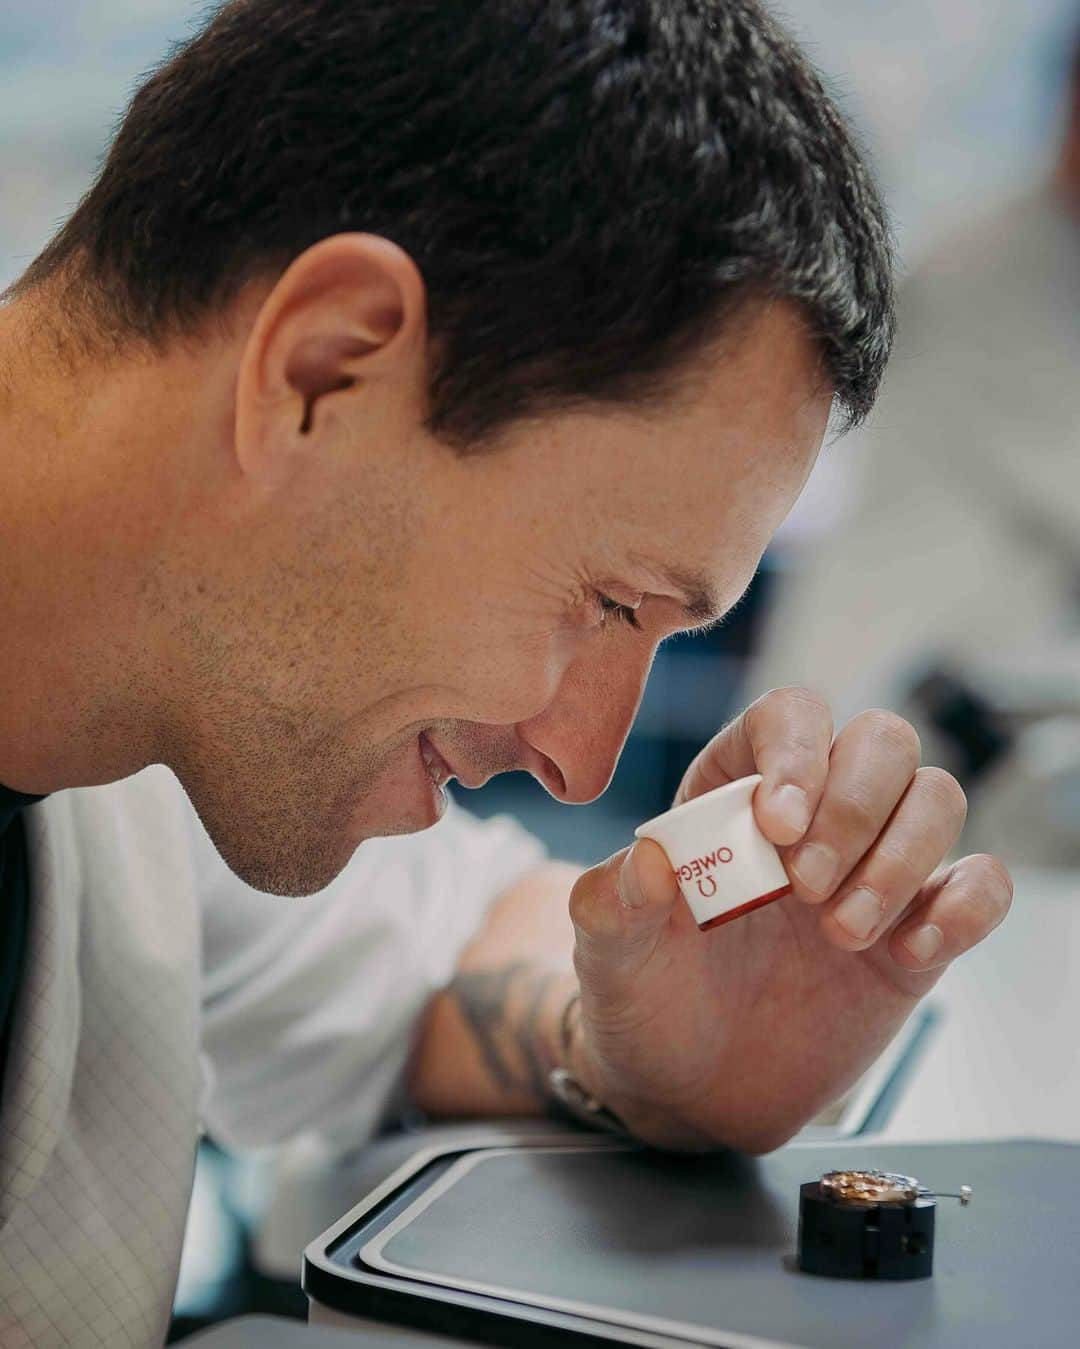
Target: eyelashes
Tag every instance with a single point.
(622, 613)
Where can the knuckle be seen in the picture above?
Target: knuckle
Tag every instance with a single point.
(805, 702)
(944, 790)
(807, 706)
(599, 918)
(992, 878)
(893, 732)
(854, 815)
(585, 912)
(758, 715)
(894, 871)
(981, 895)
(795, 718)
(579, 906)
(797, 695)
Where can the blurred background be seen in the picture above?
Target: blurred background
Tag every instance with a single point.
(963, 104)
(933, 563)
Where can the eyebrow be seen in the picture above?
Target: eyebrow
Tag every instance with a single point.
(700, 601)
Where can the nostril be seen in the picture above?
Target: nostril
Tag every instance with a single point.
(552, 775)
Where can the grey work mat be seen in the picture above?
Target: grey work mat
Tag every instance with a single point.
(271, 1332)
(693, 1248)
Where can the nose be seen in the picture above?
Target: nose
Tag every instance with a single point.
(574, 744)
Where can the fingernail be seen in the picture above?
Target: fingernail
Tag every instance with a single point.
(859, 913)
(630, 891)
(793, 806)
(816, 866)
(925, 942)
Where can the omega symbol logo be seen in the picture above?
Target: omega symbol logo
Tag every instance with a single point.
(700, 868)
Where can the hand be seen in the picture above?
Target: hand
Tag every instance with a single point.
(740, 1035)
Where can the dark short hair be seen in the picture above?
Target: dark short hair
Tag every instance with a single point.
(589, 187)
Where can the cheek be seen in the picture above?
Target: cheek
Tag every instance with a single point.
(516, 685)
(505, 681)
(496, 646)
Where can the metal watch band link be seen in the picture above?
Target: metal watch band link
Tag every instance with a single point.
(568, 1093)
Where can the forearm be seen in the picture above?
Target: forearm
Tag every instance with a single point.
(489, 1040)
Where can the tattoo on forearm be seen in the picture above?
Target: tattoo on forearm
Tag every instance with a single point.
(503, 1009)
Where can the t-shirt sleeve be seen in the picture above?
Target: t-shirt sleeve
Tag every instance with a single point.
(309, 1004)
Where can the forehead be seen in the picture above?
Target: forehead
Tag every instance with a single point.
(690, 490)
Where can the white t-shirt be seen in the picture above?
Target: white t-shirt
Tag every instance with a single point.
(160, 990)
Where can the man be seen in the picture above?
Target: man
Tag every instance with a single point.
(411, 372)
(963, 551)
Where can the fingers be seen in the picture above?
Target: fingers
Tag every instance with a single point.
(784, 736)
(620, 908)
(920, 832)
(958, 907)
(873, 762)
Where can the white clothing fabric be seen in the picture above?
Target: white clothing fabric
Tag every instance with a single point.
(308, 1010)
(308, 1004)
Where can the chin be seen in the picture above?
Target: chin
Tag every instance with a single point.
(296, 867)
(311, 847)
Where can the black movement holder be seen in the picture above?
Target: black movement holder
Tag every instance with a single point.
(868, 1225)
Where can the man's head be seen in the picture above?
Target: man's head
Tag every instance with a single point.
(453, 325)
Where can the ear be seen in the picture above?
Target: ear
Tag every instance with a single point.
(342, 333)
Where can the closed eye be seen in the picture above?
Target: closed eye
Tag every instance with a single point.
(621, 612)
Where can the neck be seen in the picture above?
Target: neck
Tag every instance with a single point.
(89, 488)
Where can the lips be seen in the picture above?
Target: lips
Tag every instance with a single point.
(437, 767)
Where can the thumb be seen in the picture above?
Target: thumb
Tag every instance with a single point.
(647, 884)
(621, 907)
